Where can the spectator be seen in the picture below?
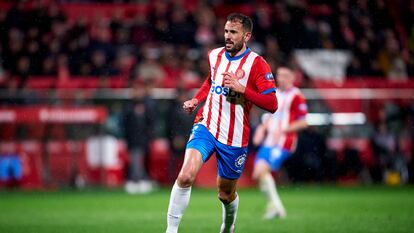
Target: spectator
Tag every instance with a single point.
(354, 69)
(182, 28)
(137, 125)
(178, 133)
(204, 35)
(99, 64)
(340, 25)
(390, 59)
(149, 70)
(23, 70)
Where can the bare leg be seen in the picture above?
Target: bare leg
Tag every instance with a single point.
(262, 173)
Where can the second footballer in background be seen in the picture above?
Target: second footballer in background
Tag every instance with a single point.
(277, 137)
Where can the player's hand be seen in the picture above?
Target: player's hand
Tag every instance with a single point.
(190, 105)
(232, 82)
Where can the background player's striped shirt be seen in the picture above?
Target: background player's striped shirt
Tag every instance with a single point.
(292, 107)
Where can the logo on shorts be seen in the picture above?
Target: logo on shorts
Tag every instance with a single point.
(240, 161)
(195, 127)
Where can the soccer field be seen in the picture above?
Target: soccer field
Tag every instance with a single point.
(310, 209)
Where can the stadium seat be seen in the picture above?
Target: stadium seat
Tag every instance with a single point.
(105, 165)
(363, 145)
(8, 131)
(41, 82)
(159, 157)
(60, 163)
(29, 154)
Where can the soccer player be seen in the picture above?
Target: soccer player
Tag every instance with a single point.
(238, 79)
(278, 135)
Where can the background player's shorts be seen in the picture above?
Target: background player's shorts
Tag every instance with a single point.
(274, 156)
(230, 159)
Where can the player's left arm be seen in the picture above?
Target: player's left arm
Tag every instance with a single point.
(263, 79)
(300, 109)
(296, 126)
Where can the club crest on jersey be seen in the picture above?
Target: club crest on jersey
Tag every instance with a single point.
(269, 77)
(225, 91)
(240, 73)
(240, 161)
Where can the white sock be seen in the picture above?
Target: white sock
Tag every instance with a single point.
(229, 215)
(180, 197)
(268, 186)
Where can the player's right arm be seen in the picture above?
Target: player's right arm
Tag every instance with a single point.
(259, 135)
(190, 105)
(299, 109)
(260, 132)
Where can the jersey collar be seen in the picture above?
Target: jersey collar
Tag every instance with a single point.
(230, 58)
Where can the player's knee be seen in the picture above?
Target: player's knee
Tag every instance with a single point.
(226, 197)
(260, 170)
(185, 179)
(257, 173)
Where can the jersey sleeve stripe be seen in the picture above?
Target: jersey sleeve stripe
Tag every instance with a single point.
(270, 90)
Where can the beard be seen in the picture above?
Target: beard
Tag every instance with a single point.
(235, 48)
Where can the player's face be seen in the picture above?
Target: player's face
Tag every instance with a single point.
(235, 37)
(284, 78)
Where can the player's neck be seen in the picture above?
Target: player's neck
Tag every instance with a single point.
(287, 88)
(240, 52)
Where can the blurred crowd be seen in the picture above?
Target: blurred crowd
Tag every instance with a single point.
(167, 45)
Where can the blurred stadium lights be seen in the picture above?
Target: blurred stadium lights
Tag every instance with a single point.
(355, 118)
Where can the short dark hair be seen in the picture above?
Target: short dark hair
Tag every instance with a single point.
(285, 64)
(245, 20)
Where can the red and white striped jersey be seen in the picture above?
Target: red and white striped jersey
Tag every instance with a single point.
(225, 112)
(292, 107)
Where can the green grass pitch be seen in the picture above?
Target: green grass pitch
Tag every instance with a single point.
(310, 209)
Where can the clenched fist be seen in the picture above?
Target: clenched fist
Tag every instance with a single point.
(190, 105)
(232, 82)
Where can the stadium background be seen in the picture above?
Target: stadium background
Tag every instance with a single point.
(69, 70)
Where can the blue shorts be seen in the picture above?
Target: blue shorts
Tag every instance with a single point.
(230, 159)
(273, 156)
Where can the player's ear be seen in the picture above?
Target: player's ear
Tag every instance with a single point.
(247, 36)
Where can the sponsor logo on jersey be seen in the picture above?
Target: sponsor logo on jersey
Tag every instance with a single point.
(225, 91)
(269, 77)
